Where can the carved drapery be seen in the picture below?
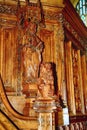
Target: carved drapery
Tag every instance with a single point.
(29, 55)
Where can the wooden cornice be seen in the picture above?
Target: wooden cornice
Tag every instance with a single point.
(74, 20)
(75, 41)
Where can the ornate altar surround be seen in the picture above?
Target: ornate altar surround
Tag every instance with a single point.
(53, 47)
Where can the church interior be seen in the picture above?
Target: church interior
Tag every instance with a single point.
(43, 65)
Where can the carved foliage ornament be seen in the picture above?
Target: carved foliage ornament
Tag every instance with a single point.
(74, 33)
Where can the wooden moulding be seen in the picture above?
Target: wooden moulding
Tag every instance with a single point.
(8, 105)
(74, 19)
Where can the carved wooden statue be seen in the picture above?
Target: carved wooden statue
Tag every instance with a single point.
(46, 81)
(30, 44)
(32, 48)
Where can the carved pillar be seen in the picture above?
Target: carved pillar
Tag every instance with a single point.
(69, 77)
(84, 79)
(45, 121)
(77, 80)
(80, 85)
(46, 113)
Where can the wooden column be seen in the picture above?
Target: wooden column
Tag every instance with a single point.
(69, 77)
(80, 85)
(84, 79)
(46, 108)
(46, 121)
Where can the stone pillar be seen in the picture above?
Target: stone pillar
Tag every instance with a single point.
(46, 113)
(45, 121)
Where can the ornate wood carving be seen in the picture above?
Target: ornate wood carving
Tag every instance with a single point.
(77, 80)
(34, 47)
(73, 32)
(46, 81)
(30, 54)
(54, 15)
(30, 45)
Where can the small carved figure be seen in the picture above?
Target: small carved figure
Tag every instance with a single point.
(46, 80)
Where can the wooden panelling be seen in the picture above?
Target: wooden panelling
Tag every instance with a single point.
(9, 57)
(48, 37)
